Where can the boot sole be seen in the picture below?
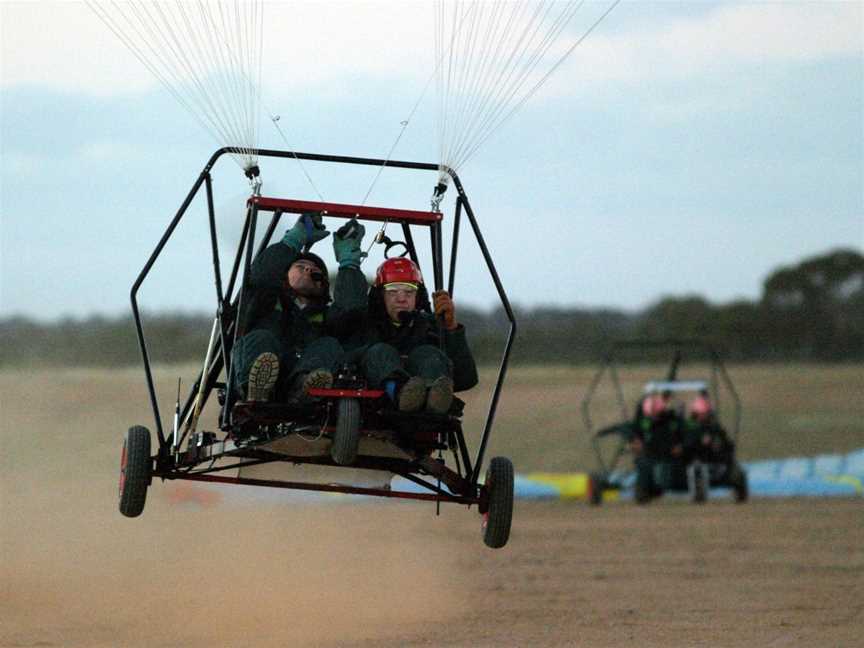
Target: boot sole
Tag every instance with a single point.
(263, 375)
(440, 396)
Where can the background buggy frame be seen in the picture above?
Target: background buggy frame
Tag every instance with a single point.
(225, 330)
(678, 348)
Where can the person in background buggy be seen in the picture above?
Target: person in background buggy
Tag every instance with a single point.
(705, 438)
(657, 427)
(658, 447)
(289, 331)
(418, 357)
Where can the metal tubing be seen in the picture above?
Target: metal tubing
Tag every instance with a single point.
(163, 443)
(619, 391)
(217, 271)
(592, 387)
(327, 488)
(437, 255)
(409, 242)
(342, 210)
(318, 157)
(235, 268)
(454, 246)
(247, 266)
(502, 371)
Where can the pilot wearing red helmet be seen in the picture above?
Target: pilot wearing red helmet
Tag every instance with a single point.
(403, 351)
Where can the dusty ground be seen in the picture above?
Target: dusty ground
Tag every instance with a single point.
(197, 570)
(771, 573)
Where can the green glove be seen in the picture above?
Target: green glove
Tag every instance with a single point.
(304, 233)
(346, 244)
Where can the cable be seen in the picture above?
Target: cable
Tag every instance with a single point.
(494, 58)
(206, 54)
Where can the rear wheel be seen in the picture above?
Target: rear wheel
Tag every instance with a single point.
(595, 489)
(347, 436)
(698, 478)
(739, 484)
(134, 471)
(643, 489)
(499, 513)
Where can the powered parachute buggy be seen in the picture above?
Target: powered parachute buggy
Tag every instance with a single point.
(349, 441)
(675, 429)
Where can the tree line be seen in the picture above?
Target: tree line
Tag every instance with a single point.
(809, 312)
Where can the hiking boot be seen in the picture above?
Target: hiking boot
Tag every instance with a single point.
(440, 396)
(316, 379)
(412, 395)
(262, 377)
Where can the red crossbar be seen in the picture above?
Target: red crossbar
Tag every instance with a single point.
(362, 212)
(346, 393)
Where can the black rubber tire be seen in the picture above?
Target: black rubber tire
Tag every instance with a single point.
(642, 489)
(499, 515)
(700, 479)
(641, 495)
(347, 436)
(595, 489)
(740, 486)
(134, 471)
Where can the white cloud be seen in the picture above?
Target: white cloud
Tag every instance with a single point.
(63, 45)
(306, 44)
(330, 46)
(730, 35)
(23, 166)
(105, 151)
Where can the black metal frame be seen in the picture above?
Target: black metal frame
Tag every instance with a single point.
(170, 464)
(677, 347)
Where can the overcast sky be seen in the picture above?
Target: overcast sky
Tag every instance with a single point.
(685, 147)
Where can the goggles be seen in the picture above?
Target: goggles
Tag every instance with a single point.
(401, 287)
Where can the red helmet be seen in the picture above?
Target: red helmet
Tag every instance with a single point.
(653, 405)
(700, 408)
(398, 270)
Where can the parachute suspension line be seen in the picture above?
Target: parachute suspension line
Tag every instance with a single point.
(404, 125)
(470, 104)
(505, 89)
(230, 93)
(444, 48)
(539, 83)
(497, 59)
(140, 55)
(489, 93)
(275, 120)
(206, 54)
(189, 56)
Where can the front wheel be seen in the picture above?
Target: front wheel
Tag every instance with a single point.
(739, 484)
(595, 488)
(697, 477)
(134, 471)
(499, 494)
(347, 436)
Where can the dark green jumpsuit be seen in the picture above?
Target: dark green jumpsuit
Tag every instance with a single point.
(388, 350)
(304, 338)
(657, 469)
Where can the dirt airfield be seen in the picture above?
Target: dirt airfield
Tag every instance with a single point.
(202, 568)
(196, 573)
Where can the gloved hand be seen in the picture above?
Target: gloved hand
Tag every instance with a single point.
(444, 308)
(346, 244)
(298, 236)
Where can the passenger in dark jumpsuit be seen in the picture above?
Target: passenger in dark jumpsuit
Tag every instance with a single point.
(419, 357)
(289, 328)
(658, 449)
